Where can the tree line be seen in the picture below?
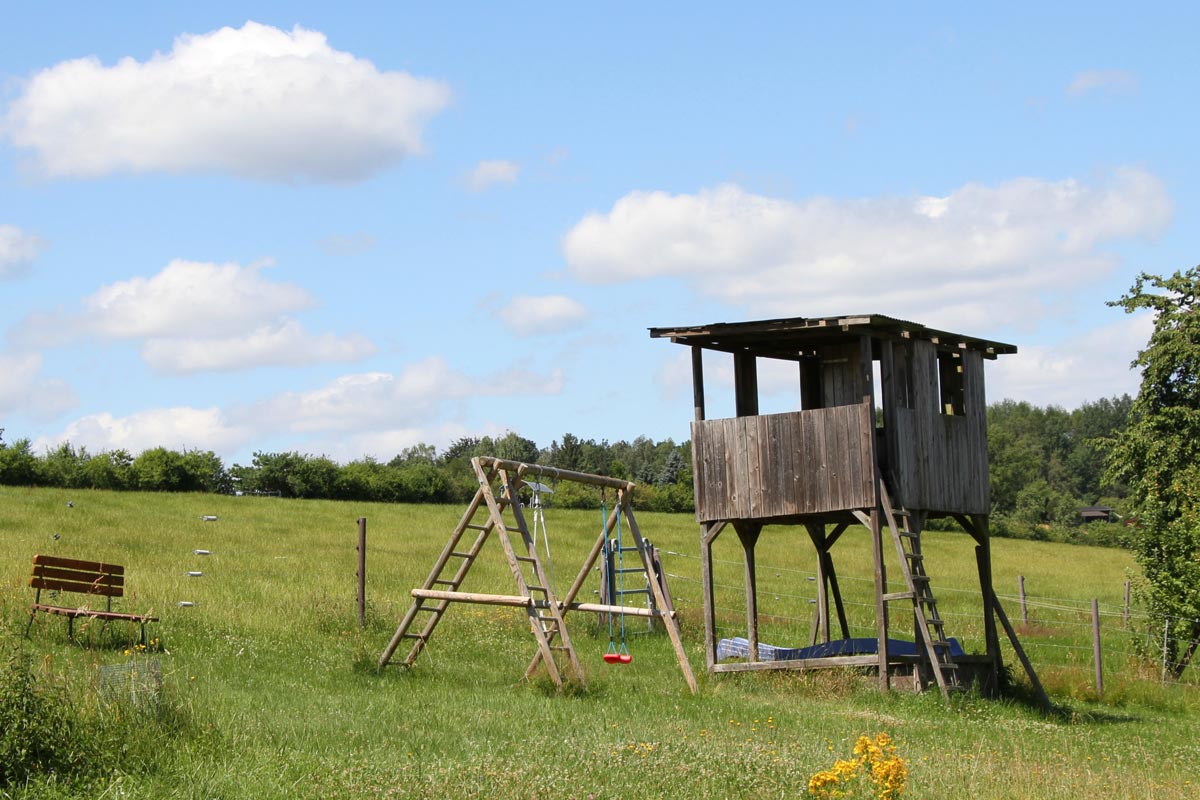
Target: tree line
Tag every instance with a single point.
(1045, 463)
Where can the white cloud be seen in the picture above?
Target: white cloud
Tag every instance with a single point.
(283, 344)
(1103, 81)
(17, 249)
(979, 252)
(487, 174)
(200, 317)
(1086, 367)
(380, 400)
(24, 390)
(190, 298)
(174, 428)
(255, 102)
(532, 316)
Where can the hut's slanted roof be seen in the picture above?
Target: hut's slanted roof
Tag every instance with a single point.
(788, 338)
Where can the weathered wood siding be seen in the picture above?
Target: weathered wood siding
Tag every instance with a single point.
(776, 465)
(940, 461)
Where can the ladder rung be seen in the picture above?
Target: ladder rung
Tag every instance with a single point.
(627, 569)
(475, 527)
(632, 591)
(526, 559)
(915, 556)
(535, 588)
(412, 636)
(924, 578)
(443, 582)
(458, 554)
(887, 598)
(909, 534)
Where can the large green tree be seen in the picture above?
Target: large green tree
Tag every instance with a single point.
(1158, 456)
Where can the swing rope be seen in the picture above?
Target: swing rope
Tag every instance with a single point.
(539, 520)
(616, 585)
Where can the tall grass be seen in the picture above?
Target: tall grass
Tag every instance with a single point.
(272, 692)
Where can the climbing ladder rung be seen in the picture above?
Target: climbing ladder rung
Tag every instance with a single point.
(475, 527)
(444, 582)
(526, 559)
(458, 554)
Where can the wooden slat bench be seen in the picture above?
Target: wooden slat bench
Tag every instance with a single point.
(94, 578)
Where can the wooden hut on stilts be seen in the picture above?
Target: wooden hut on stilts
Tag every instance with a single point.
(840, 461)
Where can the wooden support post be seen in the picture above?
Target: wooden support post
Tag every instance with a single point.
(745, 384)
(698, 381)
(362, 572)
(709, 533)
(748, 535)
(816, 532)
(1020, 651)
(983, 559)
(837, 596)
(1096, 647)
(1125, 615)
(1024, 607)
(881, 612)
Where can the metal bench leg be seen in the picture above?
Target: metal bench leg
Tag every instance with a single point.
(70, 628)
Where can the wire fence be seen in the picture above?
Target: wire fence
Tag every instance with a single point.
(1073, 643)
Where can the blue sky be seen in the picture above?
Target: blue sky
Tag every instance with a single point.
(268, 226)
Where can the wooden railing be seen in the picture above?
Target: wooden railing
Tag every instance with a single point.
(779, 465)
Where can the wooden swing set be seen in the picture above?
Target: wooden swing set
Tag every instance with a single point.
(496, 508)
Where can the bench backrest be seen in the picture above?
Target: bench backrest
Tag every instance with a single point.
(74, 575)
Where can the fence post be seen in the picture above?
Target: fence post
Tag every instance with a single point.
(1166, 633)
(1024, 608)
(1096, 647)
(1125, 616)
(362, 571)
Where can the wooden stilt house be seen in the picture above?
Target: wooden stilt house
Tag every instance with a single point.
(888, 457)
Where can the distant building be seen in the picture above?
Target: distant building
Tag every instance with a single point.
(1097, 514)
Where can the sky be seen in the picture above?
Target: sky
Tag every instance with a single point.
(256, 226)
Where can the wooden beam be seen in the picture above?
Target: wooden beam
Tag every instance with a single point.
(745, 384)
(799, 663)
(748, 534)
(881, 620)
(708, 536)
(816, 532)
(517, 601)
(698, 381)
(540, 470)
(1020, 651)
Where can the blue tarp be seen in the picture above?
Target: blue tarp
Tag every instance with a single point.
(740, 648)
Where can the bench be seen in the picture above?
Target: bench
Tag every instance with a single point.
(94, 578)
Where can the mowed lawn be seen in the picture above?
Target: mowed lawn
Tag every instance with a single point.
(273, 691)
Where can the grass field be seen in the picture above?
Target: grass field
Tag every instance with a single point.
(269, 686)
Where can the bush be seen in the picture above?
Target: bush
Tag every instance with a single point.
(38, 726)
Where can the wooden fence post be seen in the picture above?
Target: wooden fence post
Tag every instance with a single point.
(1125, 616)
(362, 571)
(1096, 647)
(1166, 634)
(1024, 608)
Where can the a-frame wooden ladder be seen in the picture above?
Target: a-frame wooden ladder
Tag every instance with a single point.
(535, 594)
(932, 644)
